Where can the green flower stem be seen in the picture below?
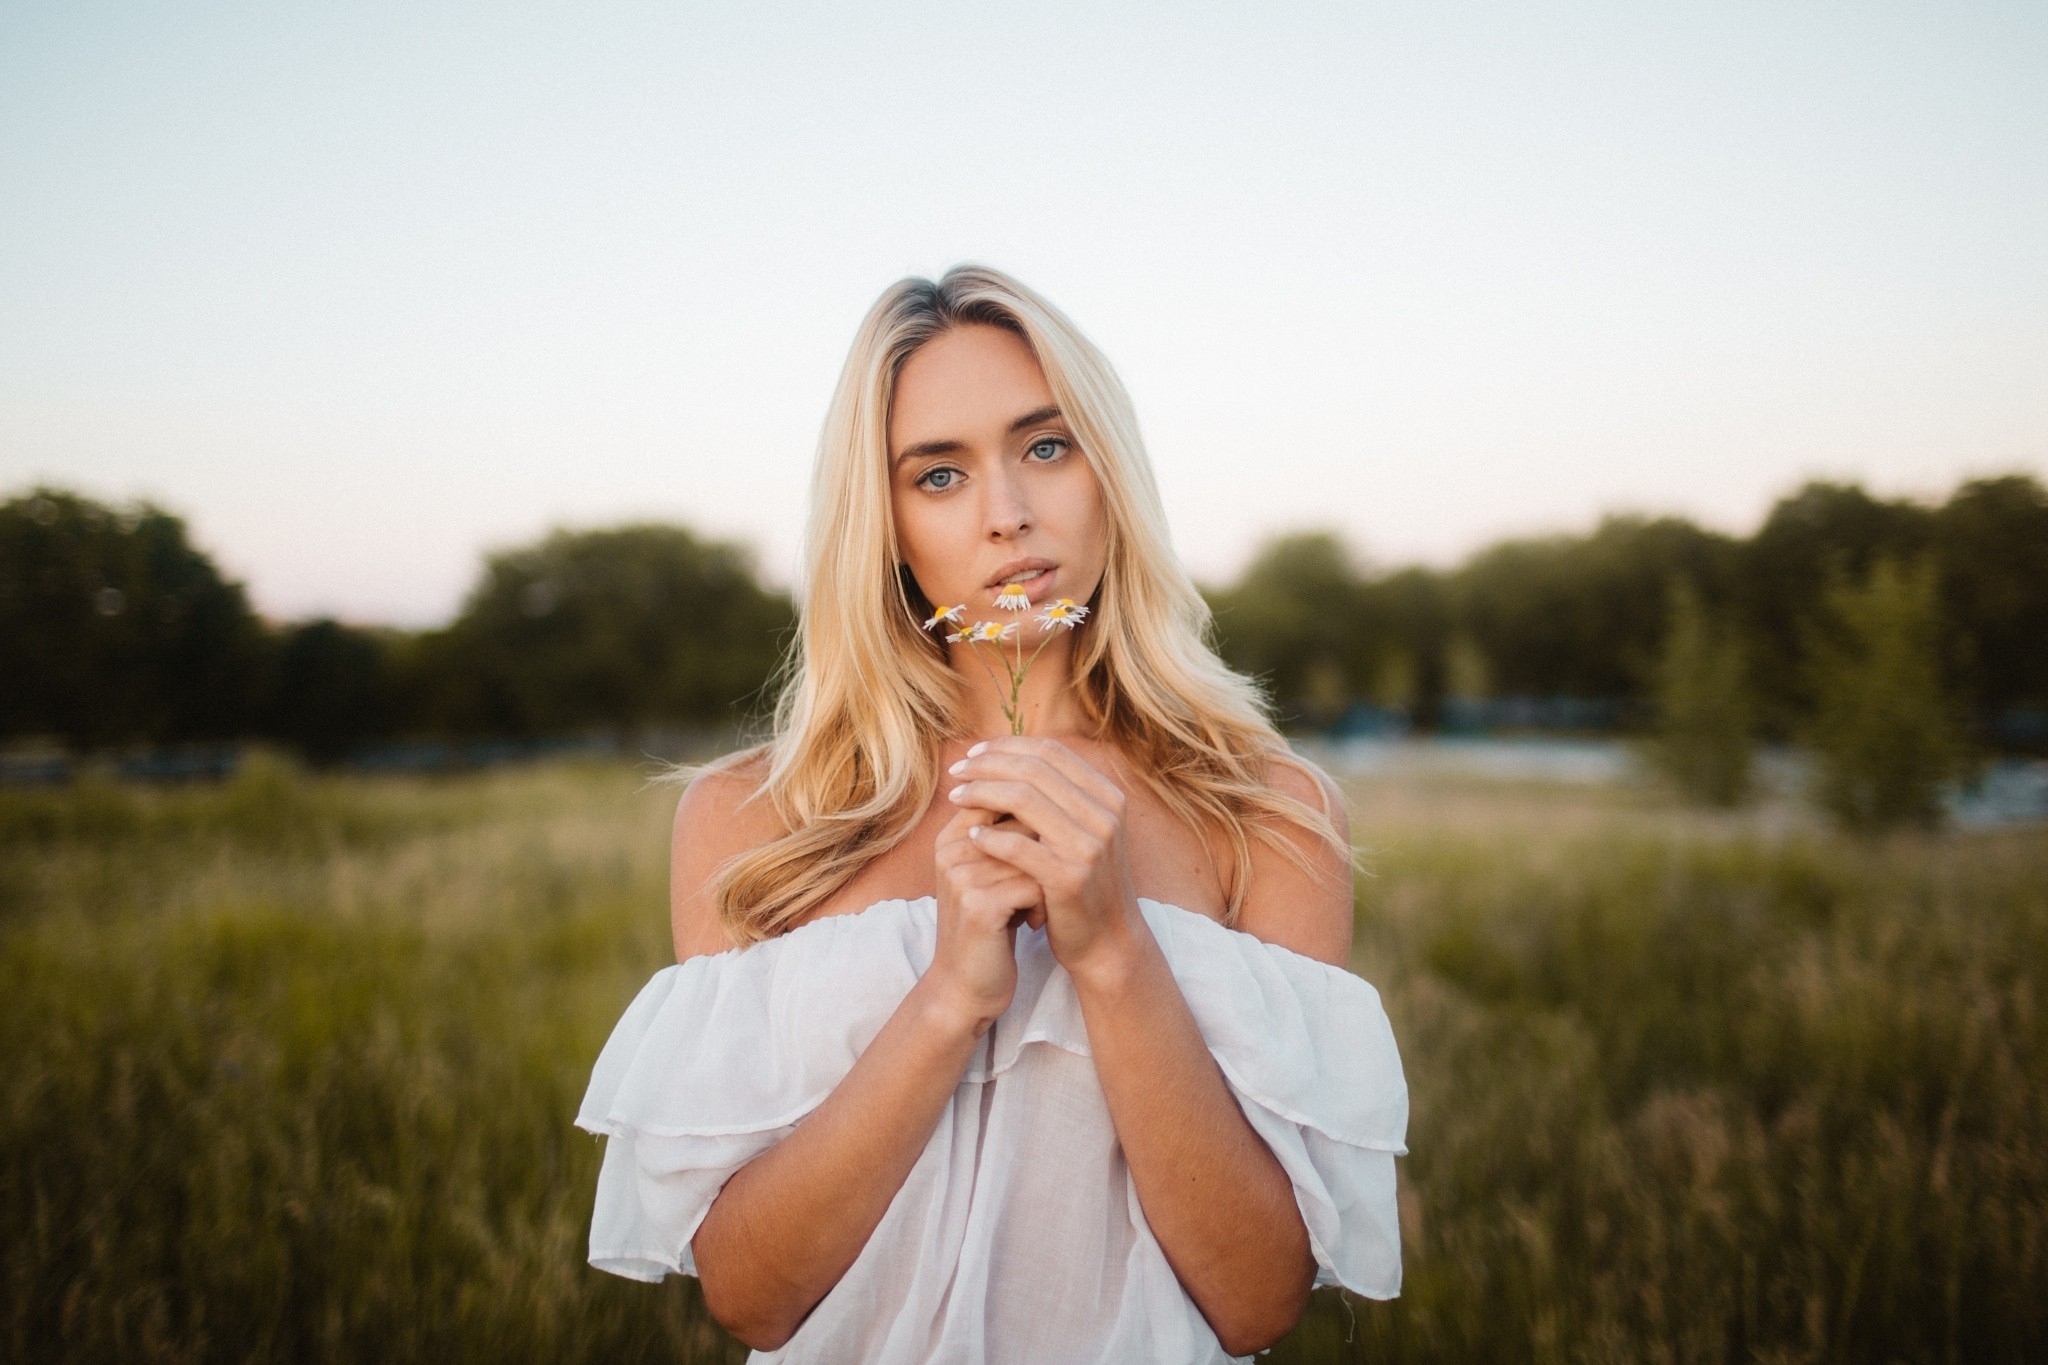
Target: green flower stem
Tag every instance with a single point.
(1017, 668)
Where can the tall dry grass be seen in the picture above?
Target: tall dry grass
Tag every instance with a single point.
(1694, 1088)
(290, 1065)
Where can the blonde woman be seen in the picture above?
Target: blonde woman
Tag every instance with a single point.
(985, 1047)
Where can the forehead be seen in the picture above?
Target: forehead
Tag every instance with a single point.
(967, 383)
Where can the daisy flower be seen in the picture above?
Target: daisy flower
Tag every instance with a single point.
(1065, 612)
(1009, 661)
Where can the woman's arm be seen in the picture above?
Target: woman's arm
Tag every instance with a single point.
(788, 1225)
(792, 1221)
(1215, 1196)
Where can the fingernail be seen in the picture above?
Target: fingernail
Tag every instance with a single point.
(954, 794)
(974, 831)
(958, 768)
(977, 749)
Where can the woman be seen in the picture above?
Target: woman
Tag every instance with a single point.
(993, 1047)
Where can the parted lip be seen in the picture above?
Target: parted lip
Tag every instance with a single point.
(1017, 566)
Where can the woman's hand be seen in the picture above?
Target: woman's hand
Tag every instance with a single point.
(1214, 1195)
(981, 902)
(1067, 839)
(787, 1226)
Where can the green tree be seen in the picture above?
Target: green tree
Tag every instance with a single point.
(1817, 531)
(1582, 616)
(116, 629)
(1884, 732)
(1296, 621)
(330, 688)
(623, 628)
(1991, 539)
(1411, 609)
(1704, 713)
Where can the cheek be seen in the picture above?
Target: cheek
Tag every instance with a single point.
(912, 536)
(1084, 512)
(927, 538)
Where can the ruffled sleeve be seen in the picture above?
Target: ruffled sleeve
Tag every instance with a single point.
(721, 1057)
(1309, 1053)
(718, 1058)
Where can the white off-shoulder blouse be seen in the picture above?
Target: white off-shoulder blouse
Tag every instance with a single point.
(1017, 1235)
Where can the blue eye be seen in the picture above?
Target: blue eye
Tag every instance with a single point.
(1047, 450)
(938, 480)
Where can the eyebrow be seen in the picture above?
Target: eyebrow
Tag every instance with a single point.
(1032, 419)
(925, 449)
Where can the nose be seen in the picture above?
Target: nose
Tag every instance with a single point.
(1007, 513)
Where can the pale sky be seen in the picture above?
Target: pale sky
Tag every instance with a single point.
(364, 289)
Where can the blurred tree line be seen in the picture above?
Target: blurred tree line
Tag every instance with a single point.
(1579, 626)
(116, 630)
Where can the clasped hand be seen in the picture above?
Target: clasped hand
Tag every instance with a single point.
(1038, 841)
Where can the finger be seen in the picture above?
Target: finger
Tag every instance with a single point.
(1100, 812)
(1018, 767)
(964, 819)
(951, 854)
(965, 867)
(1040, 813)
(1002, 907)
(1011, 894)
(1024, 853)
(956, 850)
(994, 887)
(985, 873)
(952, 844)
(992, 881)
(1069, 764)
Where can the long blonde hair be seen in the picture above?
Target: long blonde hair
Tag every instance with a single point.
(867, 695)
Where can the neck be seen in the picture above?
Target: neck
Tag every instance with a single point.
(1047, 701)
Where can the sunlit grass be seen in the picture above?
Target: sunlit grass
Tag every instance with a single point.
(291, 1065)
(1706, 1088)
(291, 1062)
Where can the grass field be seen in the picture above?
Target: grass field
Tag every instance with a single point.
(290, 1065)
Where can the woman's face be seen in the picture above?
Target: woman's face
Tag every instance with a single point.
(986, 480)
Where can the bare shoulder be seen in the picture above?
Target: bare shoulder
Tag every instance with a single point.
(717, 819)
(1305, 781)
(1303, 901)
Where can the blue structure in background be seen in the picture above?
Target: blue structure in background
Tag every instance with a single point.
(1484, 715)
(2021, 730)
(213, 762)
(1563, 739)
(1365, 721)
